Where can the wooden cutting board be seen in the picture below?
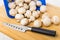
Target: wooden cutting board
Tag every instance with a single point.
(16, 35)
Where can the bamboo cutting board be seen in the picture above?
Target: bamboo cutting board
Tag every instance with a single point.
(16, 35)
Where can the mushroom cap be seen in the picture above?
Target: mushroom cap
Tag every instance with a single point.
(19, 16)
(55, 20)
(32, 18)
(46, 21)
(21, 10)
(24, 21)
(35, 14)
(18, 1)
(20, 4)
(38, 3)
(32, 3)
(45, 15)
(12, 12)
(27, 1)
(43, 8)
(37, 23)
(28, 14)
(11, 5)
(26, 6)
(32, 8)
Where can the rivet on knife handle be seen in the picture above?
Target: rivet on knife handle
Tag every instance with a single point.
(44, 31)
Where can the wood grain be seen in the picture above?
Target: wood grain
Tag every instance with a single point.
(16, 35)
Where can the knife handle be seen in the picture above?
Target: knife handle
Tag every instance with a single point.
(44, 31)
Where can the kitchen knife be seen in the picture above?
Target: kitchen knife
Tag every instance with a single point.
(33, 29)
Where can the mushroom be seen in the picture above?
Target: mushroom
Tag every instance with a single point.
(46, 21)
(55, 20)
(24, 21)
(19, 16)
(35, 14)
(44, 15)
(37, 23)
(20, 4)
(21, 10)
(32, 18)
(32, 8)
(27, 1)
(17, 7)
(38, 12)
(35, 0)
(43, 8)
(18, 1)
(38, 3)
(11, 5)
(21, 0)
(12, 12)
(26, 6)
(28, 14)
(32, 3)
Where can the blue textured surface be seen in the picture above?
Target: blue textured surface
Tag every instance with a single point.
(7, 8)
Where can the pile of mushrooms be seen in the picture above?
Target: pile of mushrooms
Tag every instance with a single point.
(25, 12)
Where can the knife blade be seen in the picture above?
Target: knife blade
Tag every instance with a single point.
(33, 29)
(17, 27)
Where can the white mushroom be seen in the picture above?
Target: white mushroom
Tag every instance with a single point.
(24, 21)
(21, 10)
(38, 3)
(38, 12)
(46, 21)
(43, 8)
(17, 7)
(55, 20)
(11, 5)
(12, 12)
(35, 14)
(21, 0)
(19, 16)
(44, 15)
(32, 8)
(18, 1)
(32, 3)
(20, 4)
(26, 6)
(35, 0)
(27, 1)
(37, 23)
(32, 18)
(28, 14)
